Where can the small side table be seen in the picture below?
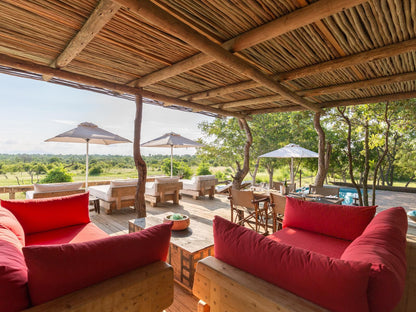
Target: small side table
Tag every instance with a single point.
(96, 203)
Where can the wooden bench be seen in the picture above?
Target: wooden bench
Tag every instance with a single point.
(162, 192)
(149, 288)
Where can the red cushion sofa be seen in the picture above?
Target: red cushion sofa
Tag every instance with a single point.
(52, 258)
(326, 257)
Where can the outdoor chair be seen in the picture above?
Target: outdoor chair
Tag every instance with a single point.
(55, 190)
(246, 209)
(278, 204)
(324, 190)
(199, 186)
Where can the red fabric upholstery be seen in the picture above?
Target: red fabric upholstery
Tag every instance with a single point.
(330, 283)
(326, 245)
(13, 273)
(71, 234)
(60, 269)
(39, 215)
(383, 244)
(9, 221)
(345, 222)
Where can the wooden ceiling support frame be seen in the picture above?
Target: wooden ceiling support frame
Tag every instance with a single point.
(156, 16)
(82, 79)
(102, 14)
(294, 20)
(348, 102)
(346, 61)
(258, 100)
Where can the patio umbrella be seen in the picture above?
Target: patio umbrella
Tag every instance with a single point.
(87, 132)
(171, 140)
(291, 151)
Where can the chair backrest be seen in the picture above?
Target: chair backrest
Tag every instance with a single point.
(276, 185)
(242, 198)
(278, 202)
(324, 190)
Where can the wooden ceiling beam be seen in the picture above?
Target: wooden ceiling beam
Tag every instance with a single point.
(362, 84)
(331, 104)
(156, 16)
(347, 61)
(252, 101)
(101, 15)
(294, 20)
(351, 60)
(120, 88)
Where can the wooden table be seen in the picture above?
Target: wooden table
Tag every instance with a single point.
(186, 248)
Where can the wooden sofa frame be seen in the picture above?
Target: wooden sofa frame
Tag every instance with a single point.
(57, 193)
(222, 287)
(162, 189)
(207, 187)
(147, 289)
(118, 192)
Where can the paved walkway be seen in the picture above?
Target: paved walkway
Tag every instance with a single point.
(387, 199)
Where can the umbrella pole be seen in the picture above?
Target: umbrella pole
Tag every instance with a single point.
(171, 161)
(292, 178)
(86, 166)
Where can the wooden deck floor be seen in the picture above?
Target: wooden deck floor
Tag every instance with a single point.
(205, 210)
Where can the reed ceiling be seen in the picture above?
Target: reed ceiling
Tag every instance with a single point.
(231, 58)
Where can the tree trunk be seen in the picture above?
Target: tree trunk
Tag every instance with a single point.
(242, 172)
(349, 153)
(366, 164)
(256, 168)
(270, 171)
(324, 153)
(386, 150)
(139, 203)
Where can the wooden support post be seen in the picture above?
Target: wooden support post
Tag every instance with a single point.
(139, 203)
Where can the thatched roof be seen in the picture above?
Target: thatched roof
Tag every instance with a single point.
(233, 58)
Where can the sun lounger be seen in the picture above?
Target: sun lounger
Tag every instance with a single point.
(199, 186)
(116, 195)
(55, 190)
(225, 189)
(162, 190)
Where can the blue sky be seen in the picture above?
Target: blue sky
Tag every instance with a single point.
(33, 111)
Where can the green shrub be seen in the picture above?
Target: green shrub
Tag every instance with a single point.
(179, 168)
(220, 175)
(56, 175)
(95, 171)
(203, 169)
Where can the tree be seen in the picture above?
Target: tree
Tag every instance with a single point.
(203, 169)
(56, 175)
(324, 151)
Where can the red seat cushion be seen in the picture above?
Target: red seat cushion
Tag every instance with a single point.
(345, 222)
(13, 273)
(56, 270)
(39, 215)
(383, 244)
(326, 245)
(331, 283)
(9, 221)
(71, 234)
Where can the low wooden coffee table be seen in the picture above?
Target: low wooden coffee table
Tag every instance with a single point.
(186, 248)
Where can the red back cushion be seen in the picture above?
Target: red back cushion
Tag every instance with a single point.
(56, 270)
(331, 283)
(39, 215)
(9, 221)
(13, 273)
(383, 244)
(345, 222)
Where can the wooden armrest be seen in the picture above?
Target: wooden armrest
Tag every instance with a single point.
(259, 200)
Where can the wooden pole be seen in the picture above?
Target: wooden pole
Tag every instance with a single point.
(102, 14)
(139, 202)
(157, 17)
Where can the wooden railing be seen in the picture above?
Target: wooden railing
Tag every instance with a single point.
(13, 189)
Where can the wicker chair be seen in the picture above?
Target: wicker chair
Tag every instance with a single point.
(324, 190)
(246, 209)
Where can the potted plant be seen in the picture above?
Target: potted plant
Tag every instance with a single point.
(180, 221)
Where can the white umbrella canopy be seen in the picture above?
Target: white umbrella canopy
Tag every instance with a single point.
(171, 140)
(291, 151)
(87, 132)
